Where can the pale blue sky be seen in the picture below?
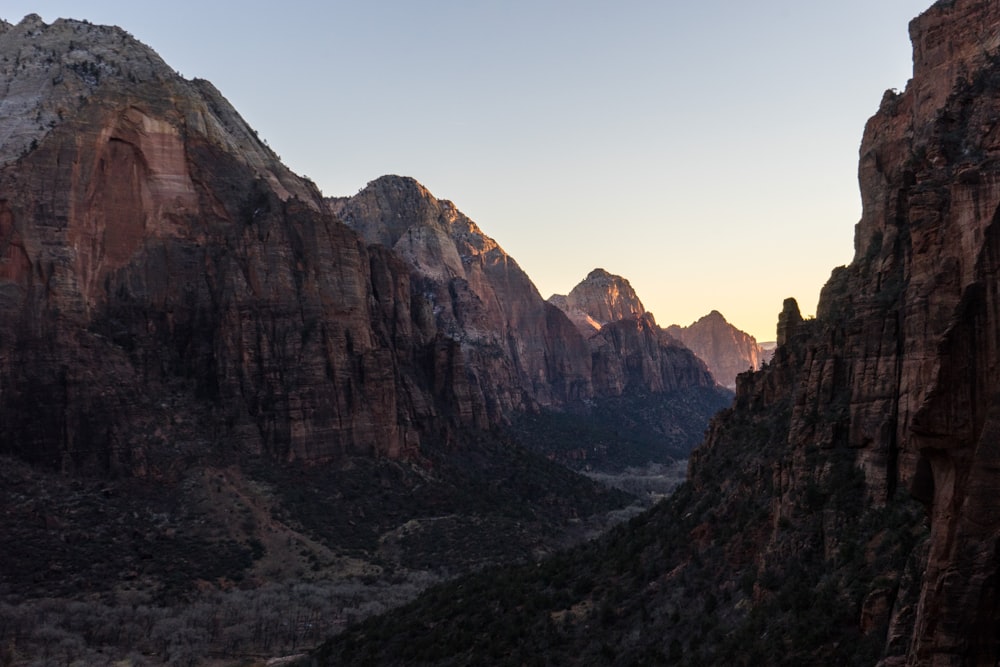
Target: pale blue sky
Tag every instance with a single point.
(706, 150)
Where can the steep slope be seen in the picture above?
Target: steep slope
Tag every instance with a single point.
(653, 396)
(215, 381)
(158, 260)
(611, 317)
(726, 350)
(845, 510)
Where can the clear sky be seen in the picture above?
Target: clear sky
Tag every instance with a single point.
(706, 150)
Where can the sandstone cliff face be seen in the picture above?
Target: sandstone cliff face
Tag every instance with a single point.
(599, 298)
(629, 350)
(519, 351)
(525, 350)
(169, 289)
(726, 350)
(846, 510)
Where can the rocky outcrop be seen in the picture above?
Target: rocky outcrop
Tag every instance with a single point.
(520, 351)
(599, 298)
(726, 350)
(899, 370)
(635, 353)
(628, 348)
(607, 311)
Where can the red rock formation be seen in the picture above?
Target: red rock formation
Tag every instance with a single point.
(607, 311)
(526, 351)
(799, 523)
(169, 290)
(522, 352)
(599, 298)
(726, 350)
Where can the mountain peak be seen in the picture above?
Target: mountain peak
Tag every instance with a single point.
(714, 316)
(399, 185)
(726, 350)
(600, 298)
(31, 21)
(601, 274)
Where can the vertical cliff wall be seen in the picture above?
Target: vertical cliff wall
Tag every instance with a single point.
(170, 290)
(900, 368)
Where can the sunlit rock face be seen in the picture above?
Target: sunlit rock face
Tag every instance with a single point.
(726, 350)
(599, 298)
(521, 352)
(524, 351)
(628, 349)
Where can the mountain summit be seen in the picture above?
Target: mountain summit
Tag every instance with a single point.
(726, 350)
(598, 299)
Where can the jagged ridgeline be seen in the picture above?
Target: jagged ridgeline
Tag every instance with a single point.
(845, 510)
(216, 384)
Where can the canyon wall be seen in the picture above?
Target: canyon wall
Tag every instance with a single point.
(169, 290)
(900, 368)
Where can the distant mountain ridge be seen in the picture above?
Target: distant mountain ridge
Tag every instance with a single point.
(602, 298)
(725, 349)
(598, 299)
(845, 510)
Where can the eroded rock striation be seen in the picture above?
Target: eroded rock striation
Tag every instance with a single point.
(899, 370)
(608, 312)
(168, 287)
(518, 351)
(726, 350)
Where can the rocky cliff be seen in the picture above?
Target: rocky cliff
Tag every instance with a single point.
(599, 298)
(845, 510)
(170, 290)
(609, 314)
(519, 352)
(206, 377)
(726, 350)
(525, 349)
